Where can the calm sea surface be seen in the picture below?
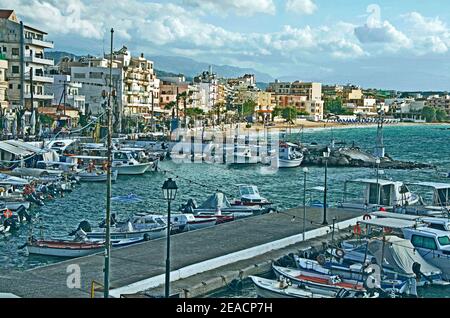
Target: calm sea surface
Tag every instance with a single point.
(429, 144)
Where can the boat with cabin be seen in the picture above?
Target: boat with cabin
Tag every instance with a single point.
(250, 196)
(290, 155)
(376, 194)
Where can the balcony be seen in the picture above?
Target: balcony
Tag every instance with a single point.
(38, 60)
(41, 43)
(39, 96)
(41, 79)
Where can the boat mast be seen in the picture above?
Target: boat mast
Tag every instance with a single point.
(108, 181)
(380, 150)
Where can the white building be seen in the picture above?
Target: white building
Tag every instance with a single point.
(68, 91)
(30, 43)
(3, 85)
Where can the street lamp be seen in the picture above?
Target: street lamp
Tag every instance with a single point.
(326, 156)
(305, 172)
(378, 161)
(169, 189)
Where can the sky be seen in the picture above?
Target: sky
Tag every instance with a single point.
(389, 44)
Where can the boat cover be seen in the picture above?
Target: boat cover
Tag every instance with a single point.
(400, 255)
(217, 200)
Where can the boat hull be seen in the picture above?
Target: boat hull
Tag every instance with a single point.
(151, 234)
(93, 177)
(283, 163)
(133, 169)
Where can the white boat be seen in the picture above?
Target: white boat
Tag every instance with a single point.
(290, 156)
(96, 176)
(249, 196)
(376, 194)
(126, 164)
(433, 245)
(267, 288)
(141, 225)
(434, 201)
(189, 222)
(73, 249)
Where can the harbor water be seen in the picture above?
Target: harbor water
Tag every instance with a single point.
(425, 144)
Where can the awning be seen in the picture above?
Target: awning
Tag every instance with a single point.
(389, 223)
(396, 216)
(26, 146)
(14, 150)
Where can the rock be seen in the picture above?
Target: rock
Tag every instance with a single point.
(343, 161)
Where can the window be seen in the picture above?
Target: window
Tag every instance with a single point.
(424, 242)
(10, 86)
(15, 69)
(444, 240)
(15, 51)
(4, 49)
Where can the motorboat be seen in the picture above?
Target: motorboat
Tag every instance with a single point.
(290, 155)
(142, 225)
(435, 200)
(249, 196)
(316, 280)
(188, 222)
(267, 288)
(126, 164)
(96, 175)
(218, 204)
(433, 245)
(377, 193)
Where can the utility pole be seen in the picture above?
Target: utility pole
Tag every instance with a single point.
(108, 183)
(22, 78)
(65, 93)
(153, 112)
(33, 125)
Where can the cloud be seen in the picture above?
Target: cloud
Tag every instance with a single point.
(301, 6)
(425, 25)
(239, 7)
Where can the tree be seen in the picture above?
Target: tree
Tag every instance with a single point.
(335, 106)
(194, 112)
(289, 113)
(429, 113)
(248, 108)
(441, 115)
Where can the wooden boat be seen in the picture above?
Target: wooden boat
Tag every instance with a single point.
(73, 249)
(96, 176)
(312, 279)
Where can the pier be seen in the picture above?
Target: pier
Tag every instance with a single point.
(198, 257)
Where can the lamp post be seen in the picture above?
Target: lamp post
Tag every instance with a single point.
(326, 156)
(305, 172)
(378, 161)
(169, 189)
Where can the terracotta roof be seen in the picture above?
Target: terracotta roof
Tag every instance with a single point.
(5, 14)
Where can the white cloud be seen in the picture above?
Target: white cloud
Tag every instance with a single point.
(301, 6)
(383, 32)
(239, 7)
(425, 25)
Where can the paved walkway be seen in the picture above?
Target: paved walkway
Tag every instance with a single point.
(139, 262)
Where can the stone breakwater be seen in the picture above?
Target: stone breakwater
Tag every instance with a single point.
(355, 157)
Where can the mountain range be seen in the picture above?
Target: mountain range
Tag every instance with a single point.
(173, 65)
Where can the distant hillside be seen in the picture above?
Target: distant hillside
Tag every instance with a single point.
(173, 65)
(191, 68)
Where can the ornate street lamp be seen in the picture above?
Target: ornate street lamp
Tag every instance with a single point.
(169, 189)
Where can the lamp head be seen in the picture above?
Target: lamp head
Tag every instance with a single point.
(169, 189)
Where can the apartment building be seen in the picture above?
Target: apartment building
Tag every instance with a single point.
(3, 84)
(24, 48)
(67, 92)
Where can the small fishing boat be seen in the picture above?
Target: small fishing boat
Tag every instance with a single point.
(193, 223)
(73, 249)
(312, 279)
(267, 288)
(218, 204)
(377, 193)
(96, 176)
(142, 225)
(126, 164)
(290, 156)
(249, 196)
(284, 288)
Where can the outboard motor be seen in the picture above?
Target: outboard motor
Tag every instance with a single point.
(84, 225)
(23, 214)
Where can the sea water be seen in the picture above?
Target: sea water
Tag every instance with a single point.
(426, 144)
